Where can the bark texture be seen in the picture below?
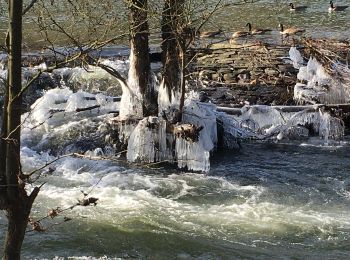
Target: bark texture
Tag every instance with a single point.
(139, 73)
(175, 34)
(14, 198)
(172, 23)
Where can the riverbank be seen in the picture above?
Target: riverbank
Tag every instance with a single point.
(226, 74)
(236, 75)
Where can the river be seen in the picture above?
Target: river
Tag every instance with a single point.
(316, 20)
(266, 201)
(271, 201)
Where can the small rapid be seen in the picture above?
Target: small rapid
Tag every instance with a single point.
(267, 201)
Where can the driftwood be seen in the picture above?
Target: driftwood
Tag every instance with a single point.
(63, 101)
(87, 108)
(345, 108)
(327, 51)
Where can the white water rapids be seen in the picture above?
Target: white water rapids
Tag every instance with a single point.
(266, 201)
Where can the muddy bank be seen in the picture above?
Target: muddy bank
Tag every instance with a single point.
(233, 75)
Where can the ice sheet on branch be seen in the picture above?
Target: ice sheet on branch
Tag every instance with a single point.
(266, 122)
(320, 86)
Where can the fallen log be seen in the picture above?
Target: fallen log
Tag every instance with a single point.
(114, 99)
(87, 108)
(345, 108)
(54, 111)
(230, 110)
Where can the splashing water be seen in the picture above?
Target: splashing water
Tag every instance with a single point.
(267, 201)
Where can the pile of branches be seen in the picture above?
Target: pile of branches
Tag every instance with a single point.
(334, 55)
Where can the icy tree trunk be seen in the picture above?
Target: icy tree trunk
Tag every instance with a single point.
(170, 47)
(173, 49)
(172, 28)
(139, 72)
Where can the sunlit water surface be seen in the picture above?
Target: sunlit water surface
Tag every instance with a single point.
(263, 202)
(316, 20)
(266, 201)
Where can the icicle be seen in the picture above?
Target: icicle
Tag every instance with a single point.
(296, 57)
(148, 142)
(167, 102)
(192, 155)
(141, 145)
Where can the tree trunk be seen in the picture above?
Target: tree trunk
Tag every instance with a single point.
(170, 47)
(3, 135)
(139, 72)
(174, 34)
(14, 97)
(18, 204)
(17, 224)
(182, 79)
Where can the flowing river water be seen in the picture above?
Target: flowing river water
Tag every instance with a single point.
(266, 201)
(271, 201)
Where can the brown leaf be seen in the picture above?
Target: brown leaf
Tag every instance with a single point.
(36, 226)
(53, 212)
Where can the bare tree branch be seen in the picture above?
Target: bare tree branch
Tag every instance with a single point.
(28, 7)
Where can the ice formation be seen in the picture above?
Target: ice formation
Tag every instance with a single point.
(63, 121)
(149, 142)
(267, 122)
(321, 88)
(231, 132)
(153, 139)
(152, 142)
(64, 101)
(167, 100)
(296, 57)
(195, 155)
(132, 100)
(62, 113)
